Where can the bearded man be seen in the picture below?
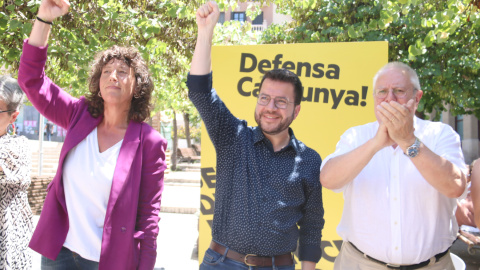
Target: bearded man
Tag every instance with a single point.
(267, 191)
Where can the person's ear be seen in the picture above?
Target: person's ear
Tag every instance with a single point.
(13, 117)
(296, 111)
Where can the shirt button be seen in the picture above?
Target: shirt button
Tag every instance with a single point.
(395, 198)
(396, 223)
(396, 248)
(124, 229)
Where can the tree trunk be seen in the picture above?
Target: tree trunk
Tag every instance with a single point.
(173, 158)
(186, 121)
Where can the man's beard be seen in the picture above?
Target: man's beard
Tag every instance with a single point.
(284, 124)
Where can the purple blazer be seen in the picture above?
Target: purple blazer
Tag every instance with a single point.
(131, 222)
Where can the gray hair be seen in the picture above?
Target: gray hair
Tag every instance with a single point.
(410, 72)
(11, 93)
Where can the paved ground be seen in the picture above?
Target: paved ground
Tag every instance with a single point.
(472, 261)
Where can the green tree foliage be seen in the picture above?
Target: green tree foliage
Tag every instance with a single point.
(440, 39)
(163, 31)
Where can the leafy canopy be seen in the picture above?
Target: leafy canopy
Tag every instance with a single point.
(439, 39)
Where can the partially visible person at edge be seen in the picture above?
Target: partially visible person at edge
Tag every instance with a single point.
(16, 224)
(267, 180)
(465, 211)
(475, 191)
(400, 177)
(102, 207)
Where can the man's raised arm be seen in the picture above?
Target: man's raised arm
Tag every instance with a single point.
(207, 17)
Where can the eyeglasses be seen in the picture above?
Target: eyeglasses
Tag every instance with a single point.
(7, 111)
(280, 102)
(397, 92)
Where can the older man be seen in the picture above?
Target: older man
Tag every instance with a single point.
(400, 176)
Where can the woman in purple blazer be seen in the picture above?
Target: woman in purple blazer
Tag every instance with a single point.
(101, 210)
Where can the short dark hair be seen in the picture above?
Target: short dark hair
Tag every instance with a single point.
(285, 75)
(140, 107)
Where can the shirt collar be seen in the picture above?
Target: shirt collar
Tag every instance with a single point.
(259, 136)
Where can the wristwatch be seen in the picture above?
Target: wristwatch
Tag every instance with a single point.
(412, 151)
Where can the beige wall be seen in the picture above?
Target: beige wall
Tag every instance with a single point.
(470, 142)
(269, 14)
(447, 118)
(279, 18)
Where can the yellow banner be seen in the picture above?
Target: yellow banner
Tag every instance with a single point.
(337, 81)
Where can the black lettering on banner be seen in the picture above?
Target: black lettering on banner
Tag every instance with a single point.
(206, 209)
(207, 204)
(318, 70)
(307, 67)
(289, 65)
(248, 63)
(243, 61)
(326, 244)
(334, 72)
(256, 91)
(364, 95)
(336, 99)
(264, 64)
(277, 61)
(241, 89)
(323, 245)
(352, 99)
(324, 91)
(209, 176)
(240, 86)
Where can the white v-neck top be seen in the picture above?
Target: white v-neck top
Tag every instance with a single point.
(87, 180)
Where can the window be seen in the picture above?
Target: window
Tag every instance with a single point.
(459, 126)
(221, 19)
(238, 16)
(258, 19)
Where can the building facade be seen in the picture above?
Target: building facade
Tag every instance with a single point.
(468, 127)
(267, 16)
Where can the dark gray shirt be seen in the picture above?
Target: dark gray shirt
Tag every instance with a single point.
(264, 200)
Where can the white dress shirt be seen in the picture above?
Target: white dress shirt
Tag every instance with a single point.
(391, 212)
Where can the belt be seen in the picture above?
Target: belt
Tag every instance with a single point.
(253, 260)
(404, 267)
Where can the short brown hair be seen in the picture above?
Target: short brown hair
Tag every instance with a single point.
(285, 75)
(140, 107)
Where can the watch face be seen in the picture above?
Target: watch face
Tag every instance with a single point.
(412, 151)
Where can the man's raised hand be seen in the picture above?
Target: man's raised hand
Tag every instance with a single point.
(207, 16)
(398, 118)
